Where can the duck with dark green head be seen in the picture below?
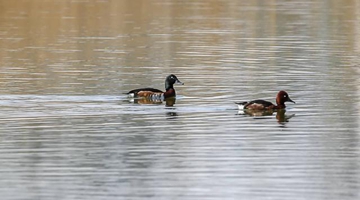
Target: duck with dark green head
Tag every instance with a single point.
(153, 93)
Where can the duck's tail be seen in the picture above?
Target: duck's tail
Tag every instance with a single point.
(241, 103)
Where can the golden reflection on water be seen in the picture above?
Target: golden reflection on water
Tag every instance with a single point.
(47, 43)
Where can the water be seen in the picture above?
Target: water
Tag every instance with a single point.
(68, 131)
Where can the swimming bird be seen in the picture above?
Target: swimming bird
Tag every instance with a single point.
(281, 98)
(152, 93)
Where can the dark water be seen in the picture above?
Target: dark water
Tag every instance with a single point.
(69, 132)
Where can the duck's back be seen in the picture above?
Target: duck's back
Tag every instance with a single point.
(144, 90)
(257, 105)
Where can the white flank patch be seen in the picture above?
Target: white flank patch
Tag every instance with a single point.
(241, 107)
(131, 95)
(157, 96)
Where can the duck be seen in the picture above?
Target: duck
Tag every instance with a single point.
(281, 98)
(152, 93)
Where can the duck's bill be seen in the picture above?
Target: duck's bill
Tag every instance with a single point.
(291, 100)
(179, 82)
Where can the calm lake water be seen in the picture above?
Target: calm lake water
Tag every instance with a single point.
(68, 131)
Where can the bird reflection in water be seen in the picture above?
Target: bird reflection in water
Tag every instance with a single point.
(146, 101)
(280, 114)
(169, 103)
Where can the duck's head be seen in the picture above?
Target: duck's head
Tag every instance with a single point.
(171, 80)
(283, 97)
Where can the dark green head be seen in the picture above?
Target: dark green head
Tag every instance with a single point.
(171, 80)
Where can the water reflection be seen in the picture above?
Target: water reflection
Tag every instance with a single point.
(282, 118)
(145, 101)
(258, 114)
(169, 102)
(171, 113)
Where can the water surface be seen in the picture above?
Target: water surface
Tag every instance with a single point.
(68, 131)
